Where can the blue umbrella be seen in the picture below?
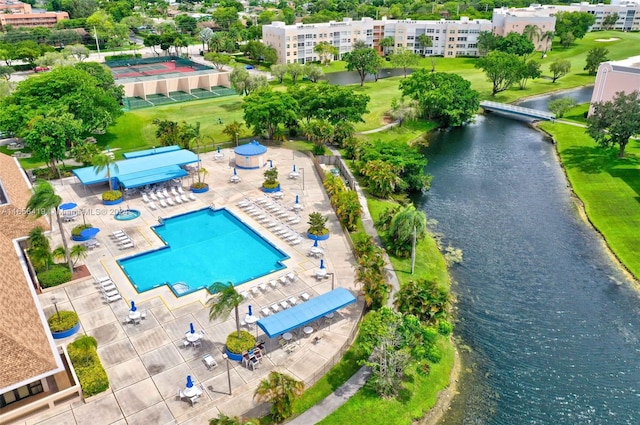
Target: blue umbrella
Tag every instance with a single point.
(297, 200)
(218, 149)
(91, 232)
(235, 172)
(189, 381)
(191, 328)
(68, 206)
(133, 306)
(250, 310)
(322, 264)
(294, 167)
(315, 243)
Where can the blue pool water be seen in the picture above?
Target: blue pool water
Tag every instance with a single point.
(203, 247)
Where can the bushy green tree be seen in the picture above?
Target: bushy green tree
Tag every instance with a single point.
(559, 68)
(330, 102)
(265, 110)
(615, 121)
(281, 391)
(561, 106)
(364, 60)
(595, 57)
(501, 69)
(444, 97)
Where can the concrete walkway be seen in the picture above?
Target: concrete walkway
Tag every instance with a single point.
(379, 129)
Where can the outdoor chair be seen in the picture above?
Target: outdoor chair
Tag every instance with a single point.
(209, 361)
(143, 315)
(170, 201)
(184, 198)
(113, 298)
(180, 395)
(192, 196)
(263, 286)
(180, 190)
(185, 343)
(255, 290)
(152, 205)
(194, 400)
(178, 200)
(163, 204)
(197, 343)
(275, 308)
(265, 311)
(305, 296)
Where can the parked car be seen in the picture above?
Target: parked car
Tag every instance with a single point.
(41, 69)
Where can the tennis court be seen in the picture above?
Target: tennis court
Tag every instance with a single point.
(160, 68)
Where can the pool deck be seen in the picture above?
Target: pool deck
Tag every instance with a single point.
(147, 363)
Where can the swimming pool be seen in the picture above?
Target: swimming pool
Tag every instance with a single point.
(203, 247)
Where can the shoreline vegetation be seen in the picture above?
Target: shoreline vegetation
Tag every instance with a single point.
(134, 131)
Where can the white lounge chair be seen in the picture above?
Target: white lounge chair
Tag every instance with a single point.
(153, 196)
(275, 308)
(296, 241)
(127, 245)
(102, 279)
(263, 286)
(125, 241)
(184, 198)
(108, 287)
(163, 204)
(284, 304)
(283, 279)
(305, 296)
(192, 196)
(265, 311)
(244, 203)
(180, 190)
(170, 201)
(152, 205)
(165, 192)
(178, 200)
(174, 191)
(255, 290)
(291, 276)
(160, 195)
(110, 292)
(273, 283)
(292, 301)
(113, 298)
(118, 233)
(145, 198)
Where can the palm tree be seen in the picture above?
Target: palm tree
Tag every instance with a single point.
(547, 37)
(42, 202)
(78, 252)
(281, 391)
(225, 299)
(425, 41)
(532, 32)
(406, 227)
(58, 253)
(40, 258)
(205, 36)
(385, 43)
(103, 162)
(426, 300)
(37, 239)
(233, 131)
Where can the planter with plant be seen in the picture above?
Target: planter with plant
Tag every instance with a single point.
(271, 183)
(91, 374)
(317, 227)
(112, 197)
(63, 324)
(200, 186)
(236, 345)
(76, 232)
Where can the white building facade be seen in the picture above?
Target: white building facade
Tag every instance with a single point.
(295, 43)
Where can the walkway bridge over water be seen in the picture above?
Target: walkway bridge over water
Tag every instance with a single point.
(506, 108)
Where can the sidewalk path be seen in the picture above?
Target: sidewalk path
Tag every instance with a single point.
(379, 129)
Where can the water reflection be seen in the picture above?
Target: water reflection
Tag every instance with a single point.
(552, 324)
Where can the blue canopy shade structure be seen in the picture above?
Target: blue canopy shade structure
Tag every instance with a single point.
(91, 232)
(154, 151)
(133, 306)
(305, 313)
(68, 206)
(191, 328)
(142, 170)
(189, 381)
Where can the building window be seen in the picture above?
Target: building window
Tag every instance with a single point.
(452, 39)
(4, 198)
(430, 31)
(449, 53)
(21, 393)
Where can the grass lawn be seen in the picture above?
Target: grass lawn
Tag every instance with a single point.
(409, 132)
(577, 113)
(608, 186)
(135, 129)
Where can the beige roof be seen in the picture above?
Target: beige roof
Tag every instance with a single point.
(25, 348)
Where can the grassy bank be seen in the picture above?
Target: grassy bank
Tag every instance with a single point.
(608, 186)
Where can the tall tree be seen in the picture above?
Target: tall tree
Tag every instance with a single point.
(425, 42)
(559, 68)
(364, 60)
(281, 391)
(205, 36)
(532, 32)
(103, 162)
(447, 98)
(295, 70)
(42, 202)
(614, 122)
(331, 102)
(404, 58)
(326, 51)
(279, 70)
(528, 70)
(487, 42)
(233, 131)
(313, 72)
(387, 45)
(407, 224)
(515, 43)
(547, 38)
(266, 109)
(610, 21)
(50, 136)
(576, 23)
(225, 298)
(501, 69)
(595, 57)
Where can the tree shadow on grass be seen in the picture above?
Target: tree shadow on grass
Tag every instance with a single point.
(595, 159)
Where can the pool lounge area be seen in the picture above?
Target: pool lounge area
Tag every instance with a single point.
(202, 247)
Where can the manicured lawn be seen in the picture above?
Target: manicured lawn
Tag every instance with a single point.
(409, 132)
(577, 113)
(608, 186)
(135, 130)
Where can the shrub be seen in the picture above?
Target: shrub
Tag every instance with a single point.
(123, 56)
(78, 229)
(62, 321)
(445, 328)
(111, 195)
(84, 357)
(199, 185)
(55, 276)
(239, 345)
(317, 224)
(271, 178)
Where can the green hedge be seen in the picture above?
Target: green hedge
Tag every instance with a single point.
(91, 374)
(62, 321)
(55, 276)
(120, 57)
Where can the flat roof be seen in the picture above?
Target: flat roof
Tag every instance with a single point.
(305, 313)
(142, 170)
(153, 151)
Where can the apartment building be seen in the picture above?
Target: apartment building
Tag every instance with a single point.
(614, 77)
(20, 15)
(295, 43)
(506, 20)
